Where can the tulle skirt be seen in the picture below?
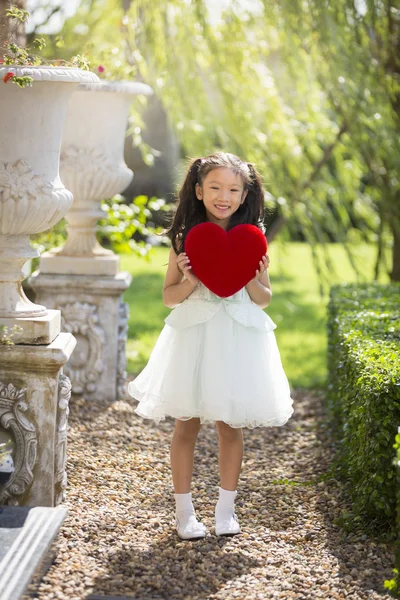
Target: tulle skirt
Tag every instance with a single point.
(218, 370)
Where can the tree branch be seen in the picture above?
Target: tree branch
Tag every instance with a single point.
(325, 157)
(52, 12)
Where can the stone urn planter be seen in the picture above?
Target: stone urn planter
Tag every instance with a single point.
(82, 278)
(34, 393)
(92, 166)
(32, 196)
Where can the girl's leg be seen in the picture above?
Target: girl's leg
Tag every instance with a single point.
(230, 462)
(182, 453)
(230, 455)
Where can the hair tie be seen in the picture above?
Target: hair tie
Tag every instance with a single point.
(196, 164)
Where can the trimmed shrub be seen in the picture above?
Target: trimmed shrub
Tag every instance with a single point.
(393, 585)
(364, 399)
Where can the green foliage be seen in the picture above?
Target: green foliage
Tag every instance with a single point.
(98, 34)
(19, 14)
(123, 228)
(15, 55)
(306, 90)
(7, 335)
(364, 399)
(52, 238)
(125, 225)
(393, 585)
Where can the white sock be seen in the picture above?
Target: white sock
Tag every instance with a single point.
(184, 504)
(225, 504)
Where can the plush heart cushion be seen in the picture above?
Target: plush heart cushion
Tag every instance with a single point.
(225, 261)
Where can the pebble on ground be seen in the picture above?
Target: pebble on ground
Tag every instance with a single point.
(119, 537)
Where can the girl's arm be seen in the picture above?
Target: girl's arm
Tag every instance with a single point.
(259, 288)
(179, 281)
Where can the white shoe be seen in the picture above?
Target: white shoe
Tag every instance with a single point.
(228, 526)
(192, 529)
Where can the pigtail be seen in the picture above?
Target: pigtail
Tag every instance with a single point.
(189, 184)
(189, 209)
(252, 209)
(256, 193)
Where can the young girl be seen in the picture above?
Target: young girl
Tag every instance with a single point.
(216, 359)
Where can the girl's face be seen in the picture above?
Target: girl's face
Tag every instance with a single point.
(222, 192)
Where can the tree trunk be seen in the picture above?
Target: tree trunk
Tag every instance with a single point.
(5, 26)
(395, 274)
(126, 4)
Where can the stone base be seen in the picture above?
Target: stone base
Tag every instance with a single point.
(35, 330)
(34, 397)
(92, 310)
(107, 265)
(26, 547)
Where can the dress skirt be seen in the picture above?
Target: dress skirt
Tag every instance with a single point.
(216, 359)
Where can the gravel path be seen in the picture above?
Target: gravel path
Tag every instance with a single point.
(119, 539)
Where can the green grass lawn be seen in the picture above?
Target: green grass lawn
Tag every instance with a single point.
(297, 306)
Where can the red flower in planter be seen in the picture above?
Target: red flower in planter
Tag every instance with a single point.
(8, 76)
(100, 69)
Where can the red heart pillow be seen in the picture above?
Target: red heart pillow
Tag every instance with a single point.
(225, 261)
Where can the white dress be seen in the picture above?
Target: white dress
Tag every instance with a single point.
(216, 359)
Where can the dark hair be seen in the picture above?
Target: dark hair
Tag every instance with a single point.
(190, 211)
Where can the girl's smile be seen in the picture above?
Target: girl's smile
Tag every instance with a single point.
(222, 193)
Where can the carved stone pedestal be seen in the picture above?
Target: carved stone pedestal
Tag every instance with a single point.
(34, 397)
(93, 311)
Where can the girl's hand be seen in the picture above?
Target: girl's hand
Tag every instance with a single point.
(184, 266)
(264, 264)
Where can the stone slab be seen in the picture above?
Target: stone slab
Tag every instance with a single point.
(79, 265)
(35, 330)
(40, 359)
(27, 535)
(47, 285)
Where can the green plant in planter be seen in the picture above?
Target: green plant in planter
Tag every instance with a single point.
(19, 57)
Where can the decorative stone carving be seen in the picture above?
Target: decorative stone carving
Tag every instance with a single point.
(12, 417)
(32, 196)
(19, 182)
(28, 204)
(21, 192)
(123, 316)
(93, 173)
(88, 361)
(29, 412)
(60, 475)
(90, 306)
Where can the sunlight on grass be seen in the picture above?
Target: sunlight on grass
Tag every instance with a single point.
(297, 306)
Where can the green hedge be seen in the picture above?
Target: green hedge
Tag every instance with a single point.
(364, 399)
(393, 584)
